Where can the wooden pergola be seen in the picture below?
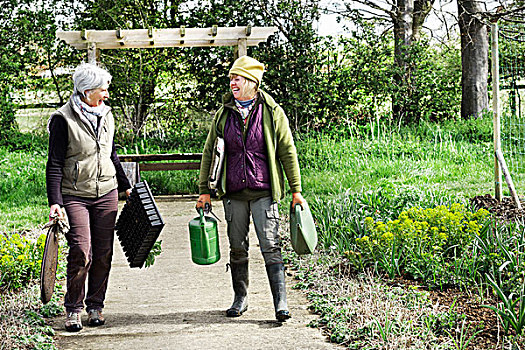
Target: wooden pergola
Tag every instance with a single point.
(95, 40)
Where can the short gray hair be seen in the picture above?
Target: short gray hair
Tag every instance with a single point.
(88, 77)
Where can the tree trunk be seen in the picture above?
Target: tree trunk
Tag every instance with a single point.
(403, 22)
(474, 60)
(421, 10)
(143, 105)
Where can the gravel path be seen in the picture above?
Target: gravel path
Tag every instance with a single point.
(176, 304)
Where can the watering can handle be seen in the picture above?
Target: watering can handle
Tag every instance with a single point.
(298, 208)
(202, 220)
(205, 242)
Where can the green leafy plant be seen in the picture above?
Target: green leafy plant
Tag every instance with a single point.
(386, 329)
(20, 260)
(511, 309)
(154, 252)
(420, 242)
(461, 341)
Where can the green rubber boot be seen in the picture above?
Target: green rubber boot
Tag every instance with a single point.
(240, 288)
(277, 285)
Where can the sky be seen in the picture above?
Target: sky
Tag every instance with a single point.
(442, 18)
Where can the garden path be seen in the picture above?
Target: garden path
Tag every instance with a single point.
(176, 304)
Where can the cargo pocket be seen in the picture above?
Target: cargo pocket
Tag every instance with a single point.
(273, 211)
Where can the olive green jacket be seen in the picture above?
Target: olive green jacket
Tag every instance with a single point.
(88, 170)
(280, 146)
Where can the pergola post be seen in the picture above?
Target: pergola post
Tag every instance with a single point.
(93, 53)
(242, 49)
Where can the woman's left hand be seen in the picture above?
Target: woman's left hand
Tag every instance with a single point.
(128, 192)
(297, 198)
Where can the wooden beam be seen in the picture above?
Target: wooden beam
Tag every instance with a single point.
(496, 110)
(159, 157)
(172, 37)
(169, 166)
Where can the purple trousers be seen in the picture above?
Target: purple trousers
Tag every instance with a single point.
(90, 240)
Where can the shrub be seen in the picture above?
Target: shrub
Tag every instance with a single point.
(422, 243)
(20, 260)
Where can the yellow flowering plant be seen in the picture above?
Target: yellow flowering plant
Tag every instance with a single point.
(20, 260)
(419, 242)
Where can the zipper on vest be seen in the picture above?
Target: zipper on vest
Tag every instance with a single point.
(99, 171)
(75, 175)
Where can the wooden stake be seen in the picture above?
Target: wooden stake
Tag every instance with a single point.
(495, 108)
(508, 179)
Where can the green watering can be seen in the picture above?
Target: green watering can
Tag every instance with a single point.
(204, 240)
(302, 229)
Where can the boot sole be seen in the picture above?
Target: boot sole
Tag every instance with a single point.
(282, 316)
(96, 323)
(73, 328)
(235, 312)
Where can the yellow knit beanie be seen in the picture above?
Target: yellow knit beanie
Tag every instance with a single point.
(249, 68)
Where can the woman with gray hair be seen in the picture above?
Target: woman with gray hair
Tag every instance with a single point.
(84, 176)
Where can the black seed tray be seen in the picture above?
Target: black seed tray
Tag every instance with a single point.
(139, 224)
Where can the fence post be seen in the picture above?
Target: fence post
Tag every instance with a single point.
(495, 108)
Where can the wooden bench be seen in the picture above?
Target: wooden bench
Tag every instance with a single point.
(133, 164)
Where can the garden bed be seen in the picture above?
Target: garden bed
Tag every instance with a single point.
(505, 210)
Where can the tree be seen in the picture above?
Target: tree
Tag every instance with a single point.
(407, 18)
(474, 19)
(27, 46)
(135, 72)
(474, 59)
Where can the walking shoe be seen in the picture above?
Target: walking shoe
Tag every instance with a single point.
(95, 318)
(73, 322)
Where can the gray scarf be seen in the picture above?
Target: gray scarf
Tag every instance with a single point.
(91, 114)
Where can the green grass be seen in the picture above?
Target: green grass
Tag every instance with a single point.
(431, 158)
(23, 200)
(333, 166)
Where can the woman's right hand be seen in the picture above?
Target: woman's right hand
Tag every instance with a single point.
(202, 201)
(54, 211)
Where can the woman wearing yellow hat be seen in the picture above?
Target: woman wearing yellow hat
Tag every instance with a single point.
(259, 151)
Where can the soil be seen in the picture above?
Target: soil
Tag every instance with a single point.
(469, 304)
(176, 304)
(505, 210)
(477, 318)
